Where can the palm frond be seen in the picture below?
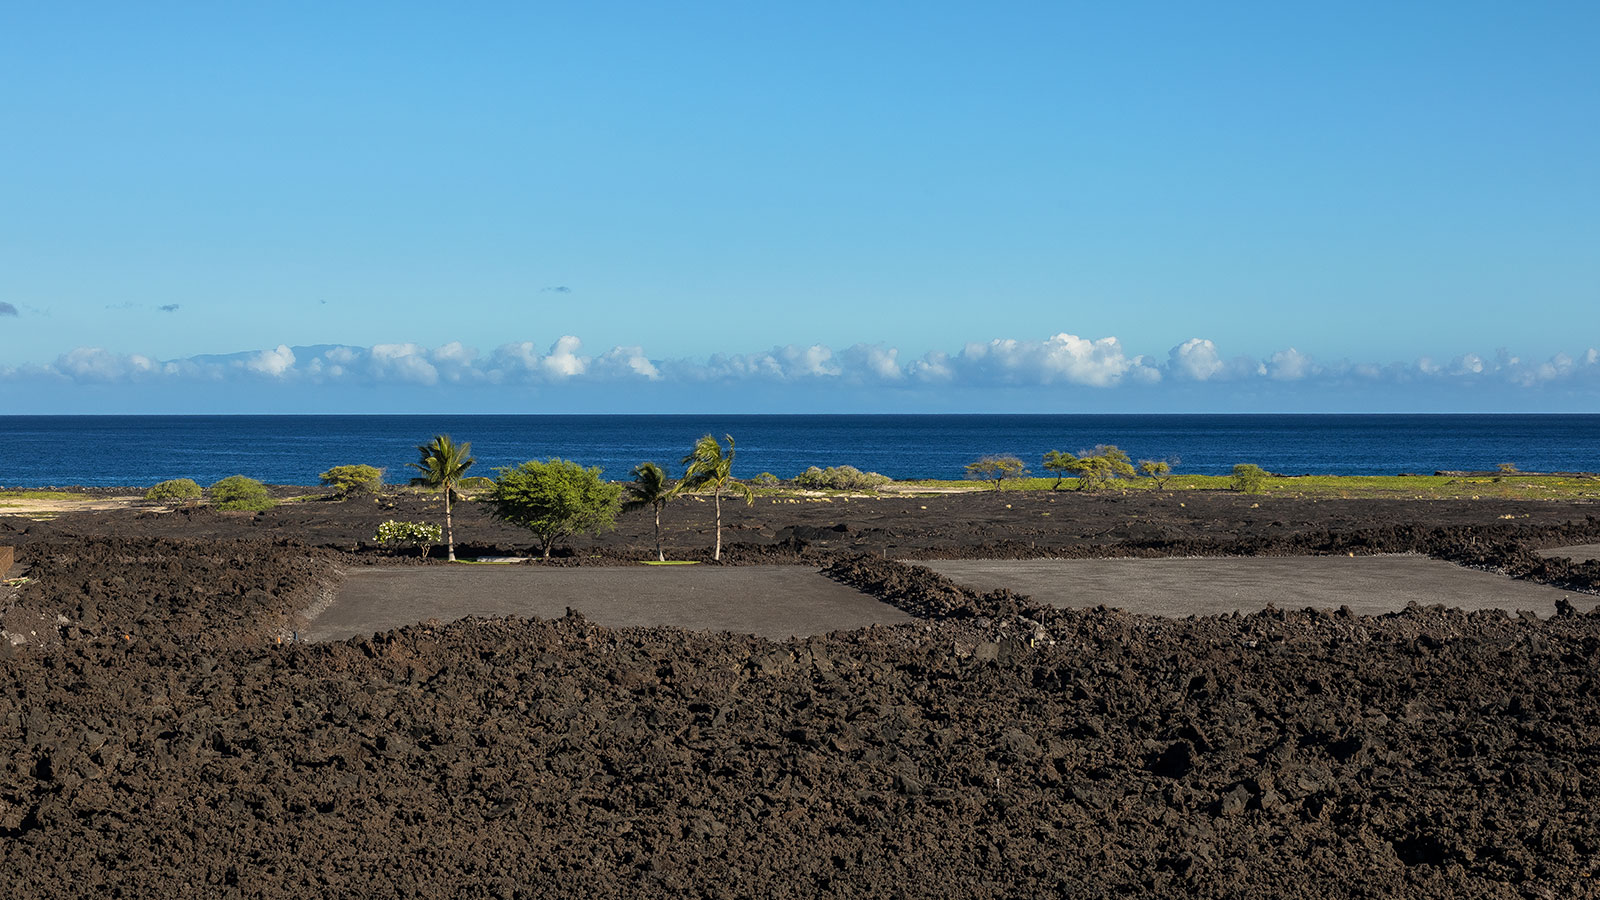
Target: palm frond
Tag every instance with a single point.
(707, 464)
(649, 487)
(443, 464)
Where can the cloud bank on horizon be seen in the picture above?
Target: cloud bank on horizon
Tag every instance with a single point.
(1062, 360)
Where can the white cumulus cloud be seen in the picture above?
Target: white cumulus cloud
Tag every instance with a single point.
(272, 363)
(401, 362)
(1060, 359)
(1288, 365)
(1195, 359)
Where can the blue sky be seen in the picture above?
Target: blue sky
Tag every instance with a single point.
(853, 207)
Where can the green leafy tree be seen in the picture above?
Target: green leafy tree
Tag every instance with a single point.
(444, 463)
(1249, 478)
(554, 499)
(1093, 468)
(1159, 470)
(996, 469)
(174, 490)
(240, 493)
(350, 480)
(711, 468)
(1100, 465)
(650, 489)
(422, 534)
(1061, 465)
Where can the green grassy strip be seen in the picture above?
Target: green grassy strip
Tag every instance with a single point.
(1404, 487)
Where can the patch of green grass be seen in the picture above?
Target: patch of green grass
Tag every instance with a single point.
(41, 495)
(1397, 487)
(672, 562)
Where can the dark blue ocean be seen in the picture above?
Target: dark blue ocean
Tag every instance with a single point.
(141, 450)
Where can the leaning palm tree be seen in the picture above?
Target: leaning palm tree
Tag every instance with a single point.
(710, 468)
(650, 488)
(443, 464)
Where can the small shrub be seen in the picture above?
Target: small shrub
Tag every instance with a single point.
(174, 490)
(398, 534)
(239, 492)
(841, 478)
(352, 480)
(1248, 478)
(765, 479)
(476, 484)
(1158, 470)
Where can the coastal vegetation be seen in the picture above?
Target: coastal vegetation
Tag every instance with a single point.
(14, 497)
(238, 492)
(841, 478)
(554, 499)
(1093, 468)
(1159, 470)
(1524, 486)
(416, 534)
(349, 481)
(443, 465)
(997, 469)
(650, 489)
(174, 490)
(1248, 478)
(710, 468)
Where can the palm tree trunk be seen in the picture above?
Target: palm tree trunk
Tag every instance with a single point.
(449, 528)
(660, 557)
(717, 555)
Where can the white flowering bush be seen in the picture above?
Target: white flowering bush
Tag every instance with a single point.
(400, 534)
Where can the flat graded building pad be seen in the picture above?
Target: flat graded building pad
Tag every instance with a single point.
(1369, 585)
(1577, 553)
(771, 601)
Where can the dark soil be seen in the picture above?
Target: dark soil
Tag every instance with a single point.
(157, 740)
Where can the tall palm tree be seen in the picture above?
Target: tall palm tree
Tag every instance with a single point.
(710, 468)
(443, 464)
(650, 488)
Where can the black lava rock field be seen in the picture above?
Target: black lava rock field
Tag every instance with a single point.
(158, 738)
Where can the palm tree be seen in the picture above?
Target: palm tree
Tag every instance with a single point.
(710, 468)
(443, 464)
(650, 487)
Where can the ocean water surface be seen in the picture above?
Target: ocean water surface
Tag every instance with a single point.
(141, 450)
